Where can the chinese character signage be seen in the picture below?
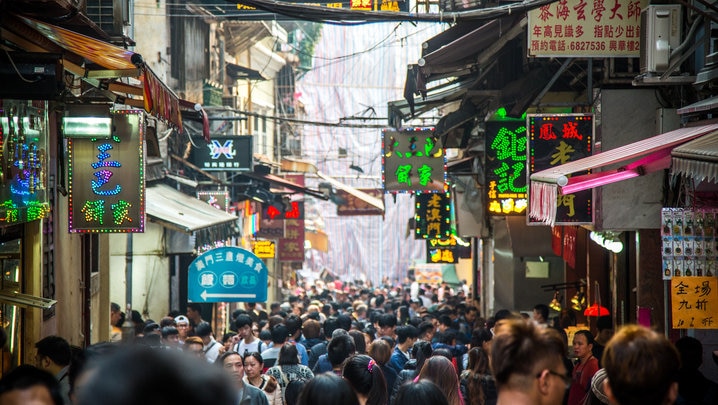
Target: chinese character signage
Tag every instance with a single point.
(224, 153)
(688, 242)
(264, 249)
(506, 167)
(106, 178)
(413, 160)
(555, 139)
(293, 210)
(582, 28)
(355, 206)
(291, 246)
(694, 302)
(227, 274)
(432, 215)
(23, 161)
(363, 5)
(217, 199)
(446, 250)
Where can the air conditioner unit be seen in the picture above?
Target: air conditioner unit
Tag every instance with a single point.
(660, 35)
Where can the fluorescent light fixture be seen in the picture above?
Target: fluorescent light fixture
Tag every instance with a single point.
(570, 185)
(87, 127)
(25, 300)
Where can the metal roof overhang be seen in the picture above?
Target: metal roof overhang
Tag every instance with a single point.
(94, 60)
(239, 72)
(697, 159)
(436, 97)
(655, 153)
(181, 212)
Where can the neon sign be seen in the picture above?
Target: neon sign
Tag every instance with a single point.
(506, 167)
(432, 215)
(106, 178)
(555, 139)
(413, 160)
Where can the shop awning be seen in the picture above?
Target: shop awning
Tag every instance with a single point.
(95, 60)
(697, 159)
(353, 191)
(25, 300)
(181, 212)
(654, 153)
(239, 72)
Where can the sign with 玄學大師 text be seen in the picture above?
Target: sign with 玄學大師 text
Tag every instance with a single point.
(694, 302)
(583, 28)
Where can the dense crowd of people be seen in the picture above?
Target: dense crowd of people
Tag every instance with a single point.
(364, 346)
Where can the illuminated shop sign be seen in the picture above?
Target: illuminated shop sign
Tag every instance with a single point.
(23, 161)
(413, 160)
(106, 178)
(223, 153)
(506, 167)
(555, 139)
(217, 199)
(448, 250)
(432, 215)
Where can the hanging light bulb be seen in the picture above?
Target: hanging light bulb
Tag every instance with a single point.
(555, 304)
(578, 302)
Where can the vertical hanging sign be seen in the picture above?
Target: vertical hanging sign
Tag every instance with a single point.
(413, 160)
(106, 178)
(555, 139)
(433, 216)
(506, 167)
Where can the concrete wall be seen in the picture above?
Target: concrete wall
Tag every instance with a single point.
(150, 272)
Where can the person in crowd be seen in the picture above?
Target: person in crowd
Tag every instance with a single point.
(170, 337)
(232, 363)
(360, 341)
(54, 355)
(596, 395)
(144, 376)
(194, 315)
(288, 368)
(229, 340)
(292, 391)
(693, 387)
(248, 342)
(477, 384)
(279, 338)
(339, 349)
(406, 337)
(585, 369)
(380, 351)
(385, 325)
(27, 384)
(480, 337)
(540, 315)
(182, 325)
(266, 337)
(330, 325)
(422, 392)
(116, 317)
(604, 328)
(420, 352)
(253, 367)
(367, 379)
(426, 331)
(527, 364)
(642, 367)
(328, 389)
(312, 332)
(440, 371)
(294, 327)
(212, 348)
(194, 346)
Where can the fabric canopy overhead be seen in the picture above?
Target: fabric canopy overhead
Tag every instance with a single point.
(697, 159)
(546, 184)
(176, 210)
(114, 62)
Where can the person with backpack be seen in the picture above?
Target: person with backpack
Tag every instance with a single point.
(288, 369)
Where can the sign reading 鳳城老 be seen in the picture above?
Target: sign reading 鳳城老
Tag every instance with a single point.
(227, 274)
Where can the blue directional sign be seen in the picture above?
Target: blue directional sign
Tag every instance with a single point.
(227, 274)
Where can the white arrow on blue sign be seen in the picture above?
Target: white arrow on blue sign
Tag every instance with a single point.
(227, 274)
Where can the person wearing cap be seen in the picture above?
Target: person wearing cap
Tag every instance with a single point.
(211, 348)
(182, 324)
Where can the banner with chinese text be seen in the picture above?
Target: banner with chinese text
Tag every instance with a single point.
(446, 250)
(106, 178)
(694, 302)
(413, 160)
(506, 167)
(581, 28)
(555, 139)
(432, 215)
